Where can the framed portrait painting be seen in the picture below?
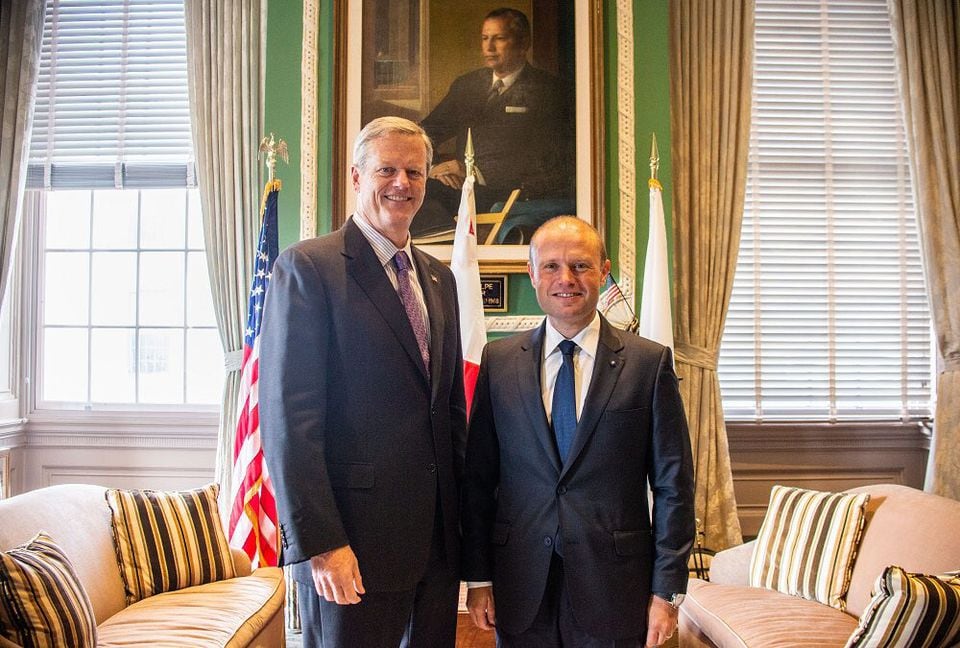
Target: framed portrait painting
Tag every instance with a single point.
(523, 79)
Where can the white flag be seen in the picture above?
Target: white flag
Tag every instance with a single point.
(466, 270)
(656, 318)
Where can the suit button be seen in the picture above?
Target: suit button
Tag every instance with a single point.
(433, 411)
(432, 468)
(547, 541)
(561, 490)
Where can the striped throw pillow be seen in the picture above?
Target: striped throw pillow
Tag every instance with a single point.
(910, 611)
(168, 540)
(42, 603)
(807, 544)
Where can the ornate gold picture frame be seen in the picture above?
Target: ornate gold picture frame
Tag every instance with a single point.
(401, 56)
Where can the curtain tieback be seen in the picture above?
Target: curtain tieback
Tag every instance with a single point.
(697, 356)
(233, 360)
(951, 363)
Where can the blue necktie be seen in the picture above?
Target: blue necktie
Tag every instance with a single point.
(564, 412)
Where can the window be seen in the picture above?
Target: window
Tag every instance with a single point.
(828, 319)
(125, 315)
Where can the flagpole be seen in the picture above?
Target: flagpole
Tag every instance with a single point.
(656, 321)
(465, 265)
(253, 522)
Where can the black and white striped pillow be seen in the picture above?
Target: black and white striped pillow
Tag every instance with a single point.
(168, 540)
(807, 544)
(910, 611)
(42, 602)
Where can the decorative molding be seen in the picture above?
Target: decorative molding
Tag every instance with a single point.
(120, 440)
(770, 437)
(123, 430)
(308, 119)
(512, 323)
(627, 175)
(12, 433)
(62, 474)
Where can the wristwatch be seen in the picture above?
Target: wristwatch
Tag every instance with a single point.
(673, 598)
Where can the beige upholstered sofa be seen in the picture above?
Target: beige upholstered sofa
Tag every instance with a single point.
(904, 527)
(242, 611)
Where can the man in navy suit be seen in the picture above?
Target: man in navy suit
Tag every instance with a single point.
(571, 423)
(362, 412)
(522, 123)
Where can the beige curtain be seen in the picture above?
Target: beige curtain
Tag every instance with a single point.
(21, 34)
(927, 41)
(711, 71)
(225, 70)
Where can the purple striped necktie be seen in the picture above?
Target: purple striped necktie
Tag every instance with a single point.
(402, 263)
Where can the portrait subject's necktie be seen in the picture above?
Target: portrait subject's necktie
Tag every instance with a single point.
(402, 262)
(564, 412)
(495, 90)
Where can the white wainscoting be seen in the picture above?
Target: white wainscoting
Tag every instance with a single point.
(149, 450)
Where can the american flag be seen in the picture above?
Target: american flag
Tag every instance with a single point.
(614, 306)
(253, 516)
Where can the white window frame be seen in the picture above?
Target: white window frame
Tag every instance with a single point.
(33, 230)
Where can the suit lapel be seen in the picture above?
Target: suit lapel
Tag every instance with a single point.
(364, 266)
(606, 371)
(528, 385)
(430, 284)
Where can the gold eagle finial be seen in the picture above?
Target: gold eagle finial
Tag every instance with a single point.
(272, 149)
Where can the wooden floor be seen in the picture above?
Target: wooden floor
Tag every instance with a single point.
(468, 636)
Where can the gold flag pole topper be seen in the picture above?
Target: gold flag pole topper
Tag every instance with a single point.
(469, 161)
(468, 155)
(270, 149)
(654, 163)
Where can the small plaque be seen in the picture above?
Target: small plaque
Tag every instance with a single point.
(494, 291)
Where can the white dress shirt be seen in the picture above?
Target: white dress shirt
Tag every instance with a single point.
(507, 80)
(583, 361)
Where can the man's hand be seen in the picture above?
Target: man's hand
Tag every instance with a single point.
(661, 621)
(336, 576)
(480, 605)
(450, 173)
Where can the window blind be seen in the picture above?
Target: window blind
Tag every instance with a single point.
(112, 106)
(828, 319)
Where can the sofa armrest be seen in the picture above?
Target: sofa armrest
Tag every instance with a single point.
(732, 566)
(241, 562)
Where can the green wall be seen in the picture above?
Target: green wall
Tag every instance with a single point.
(651, 109)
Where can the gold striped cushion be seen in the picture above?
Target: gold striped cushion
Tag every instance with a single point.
(168, 540)
(910, 611)
(42, 603)
(807, 544)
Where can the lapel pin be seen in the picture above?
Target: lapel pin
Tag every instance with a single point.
(433, 277)
(613, 363)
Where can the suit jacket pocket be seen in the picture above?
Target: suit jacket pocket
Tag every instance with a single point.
(351, 475)
(626, 416)
(500, 533)
(630, 543)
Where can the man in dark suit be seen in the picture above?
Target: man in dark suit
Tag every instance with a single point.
(363, 414)
(522, 123)
(571, 422)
